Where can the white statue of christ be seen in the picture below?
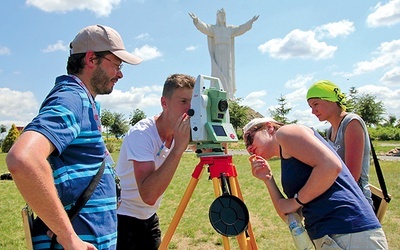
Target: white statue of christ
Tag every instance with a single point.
(221, 47)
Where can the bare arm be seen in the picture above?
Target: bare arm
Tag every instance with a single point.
(300, 142)
(261, 170)
(152, 183)
(354, 142)
(32, 174)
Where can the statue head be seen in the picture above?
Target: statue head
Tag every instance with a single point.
(221, 17)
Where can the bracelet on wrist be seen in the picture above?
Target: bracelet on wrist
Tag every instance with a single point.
(296, 197)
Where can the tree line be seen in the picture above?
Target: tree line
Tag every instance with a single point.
(365, 105)
(115, 123)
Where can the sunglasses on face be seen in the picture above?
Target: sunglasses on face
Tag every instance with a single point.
(249, 136)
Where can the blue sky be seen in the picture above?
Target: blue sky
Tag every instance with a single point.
(292, 44)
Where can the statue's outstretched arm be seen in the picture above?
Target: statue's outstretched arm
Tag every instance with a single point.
(255, 18)
(194, 17)
(202, 27)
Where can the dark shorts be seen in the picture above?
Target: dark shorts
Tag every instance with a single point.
(135, 234)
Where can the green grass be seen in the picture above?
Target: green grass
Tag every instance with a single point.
(11, 203)
(194, 230)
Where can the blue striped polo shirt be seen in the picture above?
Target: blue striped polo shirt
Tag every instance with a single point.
(66, 118)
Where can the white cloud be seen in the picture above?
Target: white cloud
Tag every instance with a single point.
(191, 48)
(307, 44)
(143, 36)
(17, 107)
(4, 51)
(254, 99)
(299, 81)
(305, 117)
(59, 45)
(388, 55)
(392, 77)
(99, 7)
(145, 99)
(297, 95)
(298, 44)
(147, 52)
(332, 30)
(385, 15)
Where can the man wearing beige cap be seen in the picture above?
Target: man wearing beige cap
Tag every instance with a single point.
(61, 152)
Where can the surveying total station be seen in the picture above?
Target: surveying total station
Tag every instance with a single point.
(210, 123)
(210, 128)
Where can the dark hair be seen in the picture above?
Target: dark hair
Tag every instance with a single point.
(76, 62)
(176, 81)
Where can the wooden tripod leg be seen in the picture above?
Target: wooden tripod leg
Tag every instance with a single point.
(179, 212)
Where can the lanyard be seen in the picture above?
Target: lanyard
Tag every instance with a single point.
(92, 102)
(95, 115)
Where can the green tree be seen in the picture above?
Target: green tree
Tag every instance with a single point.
(107, 119)
(398, 123)
(136, 116)
(237, 113)
(351, 99)
(390, 122)
(369, 109)
(11, 137)
(120, 125)
(3, 128)
(280, 113)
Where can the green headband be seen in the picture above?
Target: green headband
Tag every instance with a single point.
(327, 91)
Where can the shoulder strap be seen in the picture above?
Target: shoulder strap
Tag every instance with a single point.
(82, 199)
(379, 174)
(85, 196)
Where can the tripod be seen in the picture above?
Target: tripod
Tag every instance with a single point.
(219, 167)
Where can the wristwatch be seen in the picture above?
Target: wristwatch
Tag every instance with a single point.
(296, 197)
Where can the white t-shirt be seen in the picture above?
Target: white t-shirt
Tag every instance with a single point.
(141, 143)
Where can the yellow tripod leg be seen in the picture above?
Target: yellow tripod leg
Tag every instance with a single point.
(218, 193)
(179, 212)
(246, 239)
(233, 181)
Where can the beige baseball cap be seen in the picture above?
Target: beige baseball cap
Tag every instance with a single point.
(102, 38)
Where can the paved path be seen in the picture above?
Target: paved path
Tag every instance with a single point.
(380, 157)
(388, 158)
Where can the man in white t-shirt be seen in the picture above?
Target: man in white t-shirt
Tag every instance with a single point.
(149, 157)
